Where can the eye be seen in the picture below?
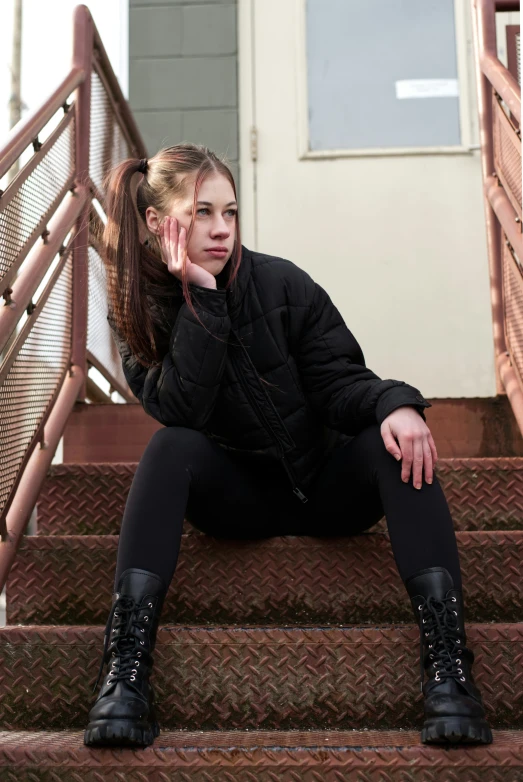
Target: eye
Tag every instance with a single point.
(232, 212)
(202, 209)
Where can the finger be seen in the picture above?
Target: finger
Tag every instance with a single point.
(390, 443)
(163, 243)
(181, 245)
(417, 466)
(406, 451)
(432, 446)
(428, 466)
(173, 237)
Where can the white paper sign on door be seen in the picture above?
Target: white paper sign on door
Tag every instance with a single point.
(427, 88)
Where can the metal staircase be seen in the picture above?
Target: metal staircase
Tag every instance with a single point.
(274, 661)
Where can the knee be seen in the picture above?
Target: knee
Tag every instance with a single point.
(176, 439)
(373, 451)
(371, 441)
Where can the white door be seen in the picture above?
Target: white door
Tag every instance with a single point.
(393, 228)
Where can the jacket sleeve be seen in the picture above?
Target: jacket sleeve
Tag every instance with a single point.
(346, 394)
(182, 390)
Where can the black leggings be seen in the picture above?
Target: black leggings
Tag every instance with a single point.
(182, 473)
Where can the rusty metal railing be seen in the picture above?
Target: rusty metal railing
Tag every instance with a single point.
(53, 320)
(499, 103)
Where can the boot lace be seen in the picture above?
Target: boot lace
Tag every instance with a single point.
(439, 627)
(125, 646)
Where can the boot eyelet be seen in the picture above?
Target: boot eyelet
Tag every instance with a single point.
(455, 613)
(142, 643)
(142, 630)
(138, 654)
(150, 605)
(427, 635)
(136, 662)
(108, 681)
(424, 621)
(458, 662)
(462, 679)
(436, 678)
(460, 671)
(134, 670)
(431, 656)
(454, 600)
(430, 646)
(132, 678)
(420, 608)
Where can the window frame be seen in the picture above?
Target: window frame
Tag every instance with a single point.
(467, 103)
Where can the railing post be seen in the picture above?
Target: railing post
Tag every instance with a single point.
(82, 58)
(484, 29)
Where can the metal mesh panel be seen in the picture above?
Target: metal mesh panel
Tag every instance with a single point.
(518, 53)
(36, 198)
(108, 145)
(513, 307)
(33, 379)
(507, 156)
(99, 336)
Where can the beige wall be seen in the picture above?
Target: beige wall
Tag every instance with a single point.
(397, 241)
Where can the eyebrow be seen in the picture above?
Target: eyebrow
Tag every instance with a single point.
(209, 203)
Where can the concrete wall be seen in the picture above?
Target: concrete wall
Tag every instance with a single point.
(183, 73)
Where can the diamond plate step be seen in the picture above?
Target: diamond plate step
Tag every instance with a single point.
(89, 499)
(285, 580)
(261, 756)
(261, 678)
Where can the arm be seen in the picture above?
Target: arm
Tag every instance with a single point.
(346, 394)
(182, 390)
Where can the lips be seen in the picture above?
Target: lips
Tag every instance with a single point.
(218, 252)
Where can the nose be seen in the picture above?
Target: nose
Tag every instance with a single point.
(220, 228)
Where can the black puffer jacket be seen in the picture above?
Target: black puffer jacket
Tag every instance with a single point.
(275, 323)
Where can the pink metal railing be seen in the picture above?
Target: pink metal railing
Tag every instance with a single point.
(499, 104)
(53, 322)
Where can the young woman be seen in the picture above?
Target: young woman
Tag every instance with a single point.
(258, 382)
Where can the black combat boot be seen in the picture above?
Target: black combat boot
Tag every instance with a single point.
(123, 714)
(453, 709)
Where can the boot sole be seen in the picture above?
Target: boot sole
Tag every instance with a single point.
(456, 730)
(120, 733)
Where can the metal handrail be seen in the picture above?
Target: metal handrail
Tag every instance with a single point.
(38, 262)
(26, 131)
(62, 231)
(497, 86)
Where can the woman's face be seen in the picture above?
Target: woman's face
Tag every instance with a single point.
(214, 229)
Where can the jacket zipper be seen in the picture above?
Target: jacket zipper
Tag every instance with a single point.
(288, 469)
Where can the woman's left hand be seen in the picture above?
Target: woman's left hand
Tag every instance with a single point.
(414, 445)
